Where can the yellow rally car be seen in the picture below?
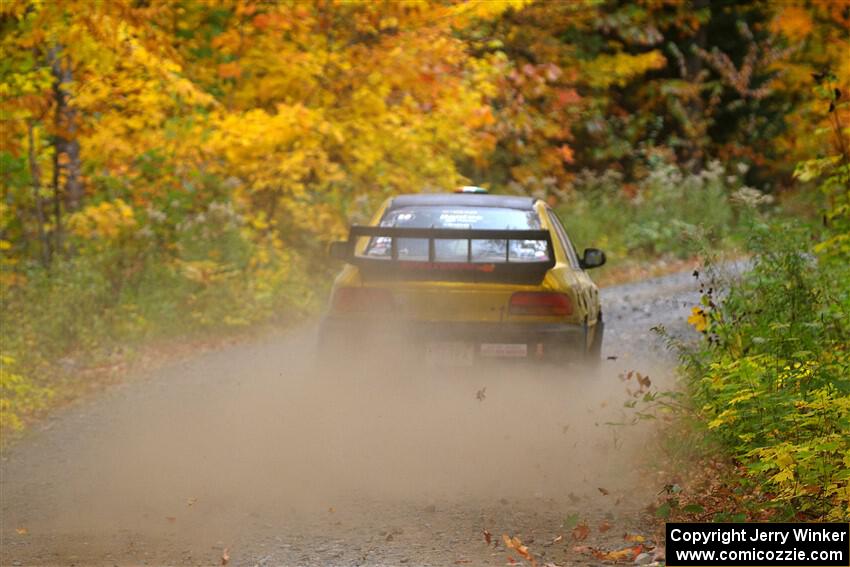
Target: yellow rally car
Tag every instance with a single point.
(465, 276)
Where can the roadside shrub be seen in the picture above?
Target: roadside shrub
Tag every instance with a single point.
(771, 381)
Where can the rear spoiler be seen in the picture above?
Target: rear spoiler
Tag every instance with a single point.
(506, 270)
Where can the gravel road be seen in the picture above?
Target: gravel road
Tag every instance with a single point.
(246, 453)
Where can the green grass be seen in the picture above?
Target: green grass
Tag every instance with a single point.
(670, 214)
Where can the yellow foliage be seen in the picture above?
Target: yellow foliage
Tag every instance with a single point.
(621, 68)
(698, 320)
(725, 417)
(19, 396)
(742, 397)
(109, 220)
(792, 21)
(465, 13)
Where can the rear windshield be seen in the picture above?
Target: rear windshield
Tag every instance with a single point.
(462, 217)
(449, 250)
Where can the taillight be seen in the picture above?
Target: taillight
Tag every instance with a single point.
(541, 304)
(362, 299)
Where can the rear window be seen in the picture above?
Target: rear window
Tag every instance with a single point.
(462, 217)
(449, 250)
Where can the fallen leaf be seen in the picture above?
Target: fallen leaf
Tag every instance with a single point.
(171, 519)
(516, 544)
(488, 537)
(225, 557)
(558, 539)
(626, 554)
(462, 561)
(580, 532)
(603, 491)
(604, 527)
(331, 510)
(22, 531)
(634, 537)
(511, 561)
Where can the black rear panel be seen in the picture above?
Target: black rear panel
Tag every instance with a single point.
(451, 254)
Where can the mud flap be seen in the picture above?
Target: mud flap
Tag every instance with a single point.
(594, 350)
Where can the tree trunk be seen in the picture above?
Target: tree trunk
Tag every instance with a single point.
(66, 170)
(35, 175)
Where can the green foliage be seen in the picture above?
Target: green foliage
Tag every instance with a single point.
(772, 380)
(666, 213)
(20, 397)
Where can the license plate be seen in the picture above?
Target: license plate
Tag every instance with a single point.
(506, 350)
(450, 354)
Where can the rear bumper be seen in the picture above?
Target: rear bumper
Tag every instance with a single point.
(544, 341)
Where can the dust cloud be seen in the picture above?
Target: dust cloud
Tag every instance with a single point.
(272, 435)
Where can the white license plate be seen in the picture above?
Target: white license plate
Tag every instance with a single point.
(450, 354)
(506, 350)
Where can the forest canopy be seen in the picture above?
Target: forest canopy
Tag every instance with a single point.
(170, 157)
(140, 113)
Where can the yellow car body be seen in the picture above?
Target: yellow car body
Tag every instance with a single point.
(534, 304)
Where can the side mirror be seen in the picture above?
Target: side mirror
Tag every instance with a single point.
(592, 258)
(338, 250)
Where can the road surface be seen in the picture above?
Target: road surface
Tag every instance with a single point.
(247, 453)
